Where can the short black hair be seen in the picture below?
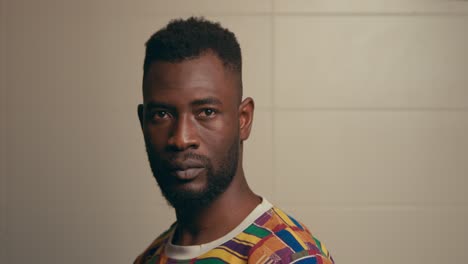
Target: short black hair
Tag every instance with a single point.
(187, 39)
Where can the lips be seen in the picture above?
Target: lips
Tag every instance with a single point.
(187, 174)
(187, 170)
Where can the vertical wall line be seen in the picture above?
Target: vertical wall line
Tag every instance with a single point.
(4, 127)
(273, 99)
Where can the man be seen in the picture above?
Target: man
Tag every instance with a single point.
(195, 123)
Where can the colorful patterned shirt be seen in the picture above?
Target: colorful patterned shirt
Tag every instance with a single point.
(267, 235)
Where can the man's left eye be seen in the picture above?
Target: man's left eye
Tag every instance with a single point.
(207, 112)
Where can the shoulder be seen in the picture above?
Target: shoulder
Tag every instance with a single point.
(155, 247)
(289, 242)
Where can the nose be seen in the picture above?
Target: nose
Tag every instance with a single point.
(184, 134)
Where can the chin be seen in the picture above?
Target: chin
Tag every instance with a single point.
(191, 197)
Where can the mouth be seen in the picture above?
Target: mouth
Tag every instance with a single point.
(184, 170)
(186, 174)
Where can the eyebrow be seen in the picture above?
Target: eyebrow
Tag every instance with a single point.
(197, 102)
(154, 104)
(206, 101)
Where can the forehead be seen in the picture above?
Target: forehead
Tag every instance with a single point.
(198, 77)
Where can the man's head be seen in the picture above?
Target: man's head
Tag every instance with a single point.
(182, 40)
(192, 118)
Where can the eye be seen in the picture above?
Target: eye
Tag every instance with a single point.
(161, 114)
(207, 112)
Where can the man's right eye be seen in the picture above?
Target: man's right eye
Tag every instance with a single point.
(158, 115)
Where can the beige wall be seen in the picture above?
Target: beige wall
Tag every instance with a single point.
(3, 124)
(361, 125)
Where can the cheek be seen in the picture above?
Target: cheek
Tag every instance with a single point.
(219, 139)
(156, 138)
(226, 125)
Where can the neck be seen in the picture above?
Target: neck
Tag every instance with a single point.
(217, 219)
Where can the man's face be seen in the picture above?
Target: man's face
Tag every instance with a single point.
(190, 122)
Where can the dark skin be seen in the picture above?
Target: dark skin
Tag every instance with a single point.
(194, 106)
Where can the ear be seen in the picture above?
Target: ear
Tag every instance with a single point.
(140, 115)
(246, 112)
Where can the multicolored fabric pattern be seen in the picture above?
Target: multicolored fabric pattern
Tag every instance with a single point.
(274, 237)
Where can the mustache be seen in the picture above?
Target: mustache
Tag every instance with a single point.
(176, 159)
(180, 158)
(189, 156)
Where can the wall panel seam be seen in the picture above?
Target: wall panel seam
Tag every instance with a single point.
(372, 109)
(370, 14)
(273, 99)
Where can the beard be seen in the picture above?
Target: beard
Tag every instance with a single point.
(217, 179)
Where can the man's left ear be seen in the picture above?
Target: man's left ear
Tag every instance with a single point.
(246, 112)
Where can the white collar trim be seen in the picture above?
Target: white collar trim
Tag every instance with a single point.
(190, 252)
